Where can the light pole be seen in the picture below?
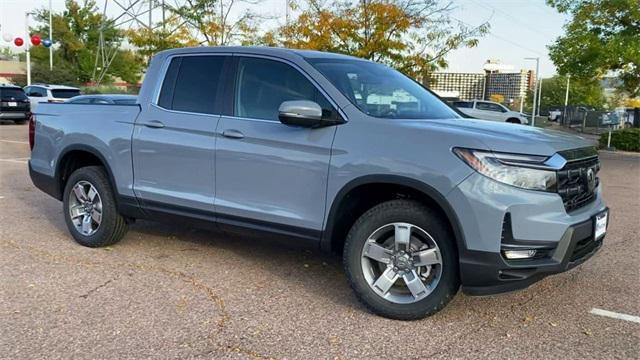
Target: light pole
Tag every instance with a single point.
(535, 91)
(566, 100)
(27, 40)
(50, 39)
(539, 95)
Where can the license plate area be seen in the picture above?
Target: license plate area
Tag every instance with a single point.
(600, 224)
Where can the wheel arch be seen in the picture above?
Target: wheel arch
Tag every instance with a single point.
(80, 155)
(334, 227)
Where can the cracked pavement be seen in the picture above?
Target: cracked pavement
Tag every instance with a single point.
(171, 291)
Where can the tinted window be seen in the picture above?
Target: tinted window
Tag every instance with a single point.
(101, 101)
(489, 107)
(65, 93)
(80, 101)
(380, 91)
(7, 94)
(263, 85)
(195, 86)
(125, 101)
(463, 104)
(166, 92)
(37, 92)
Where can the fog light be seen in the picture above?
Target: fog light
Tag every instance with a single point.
(519, 254)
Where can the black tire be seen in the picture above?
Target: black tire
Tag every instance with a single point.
(20, 122)
(112, 226)
(417, 214)
(514, 121)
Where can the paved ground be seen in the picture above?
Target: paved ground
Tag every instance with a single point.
(174, 292)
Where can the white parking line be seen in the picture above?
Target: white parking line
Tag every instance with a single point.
(15, 142)
(18, 161)
(615, 315)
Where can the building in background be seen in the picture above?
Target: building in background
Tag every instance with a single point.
(464, 86)
(497, 80)
(11, 70)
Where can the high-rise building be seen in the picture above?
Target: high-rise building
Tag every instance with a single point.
(497, 79)
(464, 86)
(512, 86)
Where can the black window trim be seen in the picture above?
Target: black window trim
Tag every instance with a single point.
(234, 78)
(163, 74)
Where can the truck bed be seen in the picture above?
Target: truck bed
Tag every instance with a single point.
(104, 130)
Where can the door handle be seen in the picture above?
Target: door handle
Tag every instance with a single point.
(233, 134)
(154, 124)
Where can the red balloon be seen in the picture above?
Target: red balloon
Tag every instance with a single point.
(18, 41)
(35, 40)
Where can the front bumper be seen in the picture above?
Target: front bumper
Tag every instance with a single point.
(495, 217)
(487, 273)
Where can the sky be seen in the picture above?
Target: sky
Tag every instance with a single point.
(519, 29)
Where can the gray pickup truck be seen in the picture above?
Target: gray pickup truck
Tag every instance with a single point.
(332, 152)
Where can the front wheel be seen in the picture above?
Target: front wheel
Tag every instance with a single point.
(401, 260)
(90, 208)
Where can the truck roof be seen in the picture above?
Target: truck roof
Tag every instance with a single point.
(258, 50)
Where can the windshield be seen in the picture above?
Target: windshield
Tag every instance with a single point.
(382, 92)
(65, 94)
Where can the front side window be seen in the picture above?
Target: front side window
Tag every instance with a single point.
(463, 104)
(191, 84)
(489, 107)
(380, 91)
(262, 85)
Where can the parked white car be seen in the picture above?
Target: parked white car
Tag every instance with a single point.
(39, 93)
(489, 110)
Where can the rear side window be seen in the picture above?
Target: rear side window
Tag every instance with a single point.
(8, 94)
(65, 93)
(35, 91)
(191, 84)
(263, 85)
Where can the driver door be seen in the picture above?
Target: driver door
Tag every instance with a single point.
(270, 175)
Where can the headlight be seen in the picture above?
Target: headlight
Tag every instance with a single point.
(523, 171)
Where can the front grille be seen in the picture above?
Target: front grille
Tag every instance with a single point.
(574, 184)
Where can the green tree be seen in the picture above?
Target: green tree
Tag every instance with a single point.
(581, 92)
(413, 36)
(214, 23)
(603, 36)
(77, 34)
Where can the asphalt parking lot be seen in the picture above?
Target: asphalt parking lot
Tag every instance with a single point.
(170, 291)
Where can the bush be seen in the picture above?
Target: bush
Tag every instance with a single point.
(625, 139)
(108, 89)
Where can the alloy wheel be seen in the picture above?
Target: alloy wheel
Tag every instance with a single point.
(85, 208)
(401, 263)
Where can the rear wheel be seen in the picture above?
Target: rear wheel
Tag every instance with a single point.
(514, 121)
(401, 260)
(90, 208)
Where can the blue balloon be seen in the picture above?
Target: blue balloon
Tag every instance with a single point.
(46, 43)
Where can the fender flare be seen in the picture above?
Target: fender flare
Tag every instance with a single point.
(93, 151)
(435, 195)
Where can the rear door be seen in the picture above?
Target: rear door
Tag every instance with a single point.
(270, 175)
(174, 137)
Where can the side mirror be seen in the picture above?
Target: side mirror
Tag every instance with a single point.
(303, 113)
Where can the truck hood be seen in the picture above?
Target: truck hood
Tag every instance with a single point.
(505, 137)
